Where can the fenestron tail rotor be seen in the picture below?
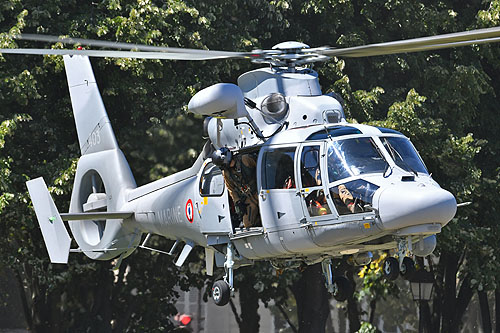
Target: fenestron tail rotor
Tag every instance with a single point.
(284, 54)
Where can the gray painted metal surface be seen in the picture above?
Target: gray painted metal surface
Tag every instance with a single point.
(54, 232)
(92, 122)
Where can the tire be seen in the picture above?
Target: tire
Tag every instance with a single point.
(342, 288)
(407, 268)
(391, 268)
(221, 292)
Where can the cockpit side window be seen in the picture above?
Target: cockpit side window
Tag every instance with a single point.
(277, 169)
(310, 173)
(310, 177)
(211, 181)
(353, 197)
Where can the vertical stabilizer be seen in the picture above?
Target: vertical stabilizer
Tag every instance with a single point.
(103, 175)
(92, 124)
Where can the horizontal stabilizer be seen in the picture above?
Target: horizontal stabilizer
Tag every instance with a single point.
(184, 253)
(209, 260)
(54, 233)
(96, 216)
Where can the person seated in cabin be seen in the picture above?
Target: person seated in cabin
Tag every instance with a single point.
(240, 177)
(342, 195)
(284, 172)
(316, 204)
(311, 176)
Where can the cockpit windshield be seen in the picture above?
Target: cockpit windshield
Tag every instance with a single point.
(403, 154)
(353, 157)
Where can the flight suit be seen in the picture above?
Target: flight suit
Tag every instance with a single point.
(241, 182)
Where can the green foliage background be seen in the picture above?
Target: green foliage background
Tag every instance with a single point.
(445, 101)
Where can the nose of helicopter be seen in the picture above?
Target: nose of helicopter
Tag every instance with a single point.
(405, 205)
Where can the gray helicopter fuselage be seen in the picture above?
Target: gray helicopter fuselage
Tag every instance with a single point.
(394, 195)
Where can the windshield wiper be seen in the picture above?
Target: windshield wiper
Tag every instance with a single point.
(387, 166)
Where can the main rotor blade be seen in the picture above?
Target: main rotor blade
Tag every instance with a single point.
(119, 54)
(208, 54)
(479, 36)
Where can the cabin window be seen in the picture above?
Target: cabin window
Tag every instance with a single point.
(334, 131)
(212, 181)
(277, 168)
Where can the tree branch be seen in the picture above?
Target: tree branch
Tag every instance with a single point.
(24, 302)
(462, 258)
(235, 312)
(463, 300)
(497, 309)
(485, 311)
(285, 315)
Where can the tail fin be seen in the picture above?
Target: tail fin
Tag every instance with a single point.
(54, 232)
(92, 123)
(103, 175)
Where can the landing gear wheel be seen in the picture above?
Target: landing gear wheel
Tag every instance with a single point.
(391, 268)
(342, 288)
(221, 292)
(407, 267)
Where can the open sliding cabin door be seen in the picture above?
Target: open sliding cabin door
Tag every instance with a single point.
(212, 203)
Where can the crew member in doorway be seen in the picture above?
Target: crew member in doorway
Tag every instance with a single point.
(241, 180)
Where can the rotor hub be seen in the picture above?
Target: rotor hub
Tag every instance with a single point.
(290, 46)
(289, 54)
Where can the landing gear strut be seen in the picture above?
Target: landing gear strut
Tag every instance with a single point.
(222, 289)
(339, 287)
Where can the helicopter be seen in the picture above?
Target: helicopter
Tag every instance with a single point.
(319, 188)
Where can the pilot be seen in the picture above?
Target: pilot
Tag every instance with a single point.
(240, 178)
(348, 200)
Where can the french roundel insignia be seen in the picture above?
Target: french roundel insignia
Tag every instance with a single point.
(189, 211)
